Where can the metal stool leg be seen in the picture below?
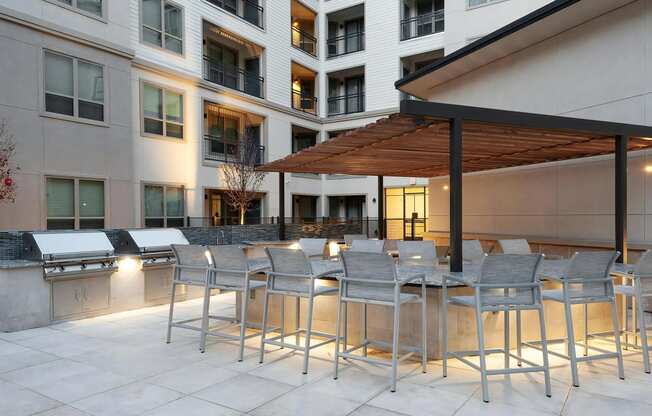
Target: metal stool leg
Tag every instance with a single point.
(586, 329)
(614, 318)
(424, 333)
(626, 320)
(338, 322)
(519, 339)
(345, 336)
(635, 320)
(282, 320)
(306, 357)
(643, 329)
(243, 319)
(481, 350)
(544, 351)
(297, 320)
(204, 317)
(264, 327)
(570, 335)
(506, 328)
(395, 336)
(444, 327)
(364, 328)
(170, 318)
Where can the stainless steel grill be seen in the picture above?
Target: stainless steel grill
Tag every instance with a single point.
(152, 245)
(70, 253)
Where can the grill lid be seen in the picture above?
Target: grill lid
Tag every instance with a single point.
(150, 240)
(51, 246)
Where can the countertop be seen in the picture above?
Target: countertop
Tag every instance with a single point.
(18, 264)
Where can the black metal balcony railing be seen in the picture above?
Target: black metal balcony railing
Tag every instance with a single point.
(349, 43)
(304, 41)
(304, 102)
(422, 25)
(247, 10)
(233, 77)
(227, 150)
(345, 104)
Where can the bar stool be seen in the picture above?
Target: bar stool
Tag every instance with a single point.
(586, 280)
(472, 251)
(371, 278)
(313, 247)
(292, 275)
(367, 246)
(637, 285)
(506, 282)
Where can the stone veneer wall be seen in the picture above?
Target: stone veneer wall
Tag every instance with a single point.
(296, 231)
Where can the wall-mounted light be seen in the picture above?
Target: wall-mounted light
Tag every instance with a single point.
(333, 248)
(445, 187)
(129, 264)
(373, 200)
(294, 246)
(648, 169)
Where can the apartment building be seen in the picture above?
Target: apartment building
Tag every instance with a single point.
(184, 80)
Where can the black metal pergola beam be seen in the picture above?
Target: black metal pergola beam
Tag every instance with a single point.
(381, 208)
(621, 197)
(455, 189)
(516, 118)
(281, 206)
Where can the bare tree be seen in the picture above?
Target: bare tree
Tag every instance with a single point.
(240, 176)
(7, 166)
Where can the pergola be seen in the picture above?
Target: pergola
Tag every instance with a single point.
(428, 139)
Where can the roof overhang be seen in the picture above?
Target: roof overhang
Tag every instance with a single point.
(548, 21)
(415, 142)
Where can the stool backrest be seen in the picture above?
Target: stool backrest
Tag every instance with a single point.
(368, 266)
(313, 247)
(350, 238)
(644, 272)
(589, 273)
(515, 246)
(367, 246)
(472, 251)
(417, 253)
(289, 262)
(504, 270)
(231, 264)
(190, 255)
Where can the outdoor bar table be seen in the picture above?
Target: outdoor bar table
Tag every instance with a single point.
(461, 322)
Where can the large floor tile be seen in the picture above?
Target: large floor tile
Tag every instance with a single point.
(459, 380)
(133, 399)
(65, 344)
(479, 408)
(18, 401)
(65, 380)
(290, 370)
(304, 401)
(415, 400)
(192, 378)
(352, 384)
(581, 403)
(191, 406)
(244, 392)
(27, 333)
(63, 411)
(366, 410)
(27, 358)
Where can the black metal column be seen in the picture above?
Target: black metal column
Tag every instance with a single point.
(281, 206)
(455, 189)
(381, 208)
(621, 197)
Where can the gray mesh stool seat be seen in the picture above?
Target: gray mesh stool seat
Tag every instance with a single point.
(417, 253)
(586, 280)
(506, 282)
(637, 285)
(371, 278)
(472, 251)
(292, 275)
(227, 269)
(313, 247)
(367, 246)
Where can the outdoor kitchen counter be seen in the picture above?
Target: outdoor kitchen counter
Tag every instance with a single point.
(18, 264)
(24, 295)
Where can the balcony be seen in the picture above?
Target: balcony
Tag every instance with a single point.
(227, 150)
(248, 10)
(346, 104)
(303, 28)
(345, 44)
(304, 41)
(224, 133)
(232, 62)
(303, 89)
(422, 18)
(233, 77)
(346, 31)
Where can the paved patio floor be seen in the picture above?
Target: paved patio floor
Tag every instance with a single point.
(119, 364)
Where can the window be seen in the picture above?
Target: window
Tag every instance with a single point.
(163, 24)
(162, 112)
(74, 204)
(74, 87)
(93, 7)
(164, 206)
(474, 3)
